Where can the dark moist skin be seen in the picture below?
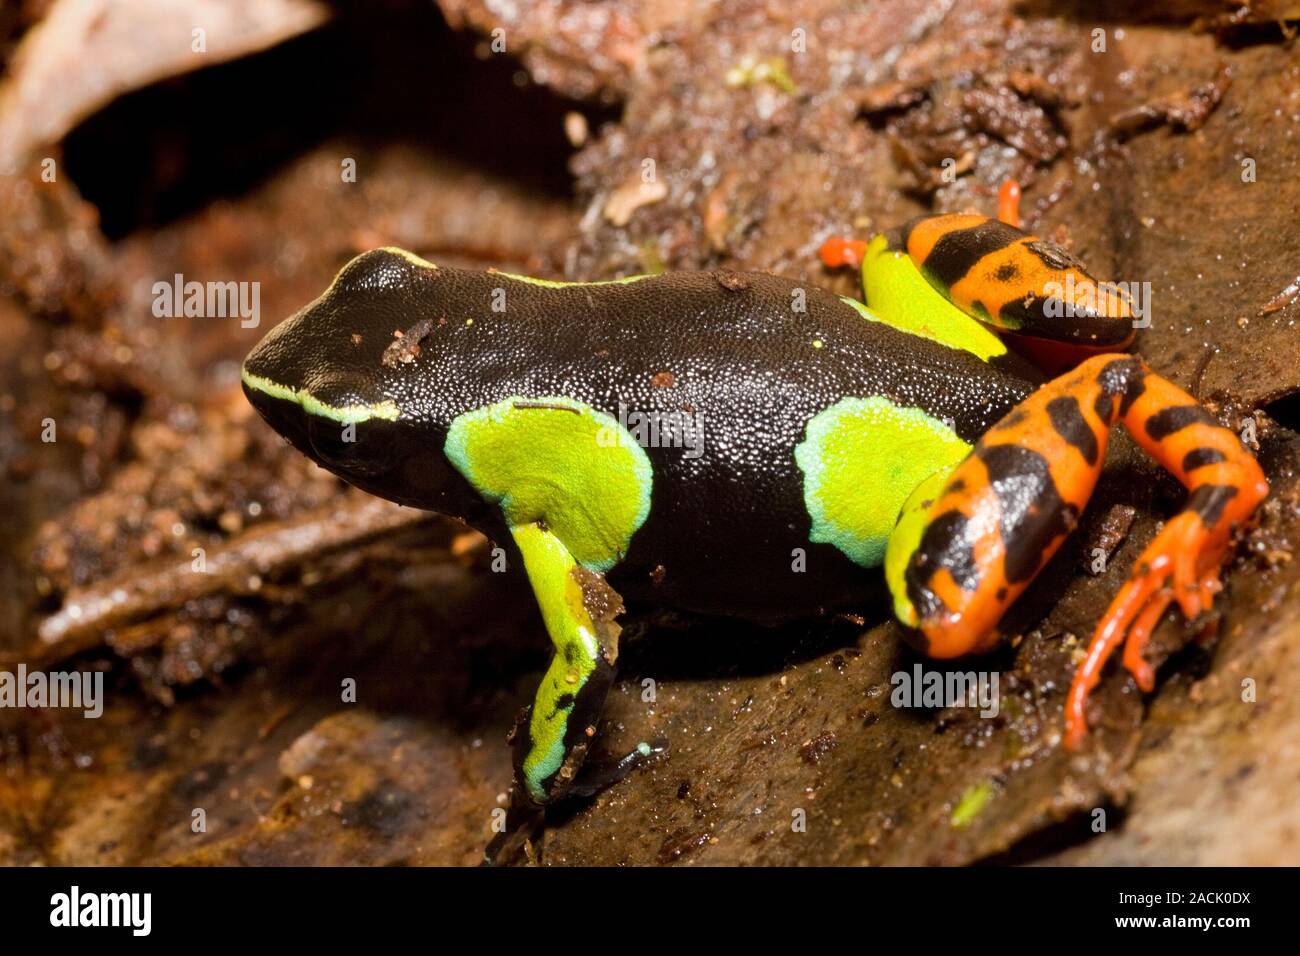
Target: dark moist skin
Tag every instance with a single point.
(723, 524)
(746, 445)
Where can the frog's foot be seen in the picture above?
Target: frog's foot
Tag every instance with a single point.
(594, 777)
(525, 818)
(523, 821)
(1181, 564)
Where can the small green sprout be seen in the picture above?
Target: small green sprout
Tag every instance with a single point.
(971, 803)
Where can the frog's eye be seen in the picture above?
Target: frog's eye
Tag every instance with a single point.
(350, 448)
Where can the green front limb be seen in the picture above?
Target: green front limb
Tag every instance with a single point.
(578, 608)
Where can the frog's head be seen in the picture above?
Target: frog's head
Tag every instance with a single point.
(337, 379)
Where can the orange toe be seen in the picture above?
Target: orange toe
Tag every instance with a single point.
(1138, 637)
(1169, 570)
(838, 252)
(1009, 203)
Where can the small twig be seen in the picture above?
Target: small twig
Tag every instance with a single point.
(138, 593)
(1202, 364)
(1185, 111)
(1282, 299)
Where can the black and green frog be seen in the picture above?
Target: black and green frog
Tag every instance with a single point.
(748, 445)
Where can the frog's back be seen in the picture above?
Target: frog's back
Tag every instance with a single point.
(722, 377)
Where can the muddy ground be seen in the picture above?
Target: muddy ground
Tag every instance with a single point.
(1169, 154)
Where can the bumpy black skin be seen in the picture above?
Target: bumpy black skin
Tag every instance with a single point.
(723, 526)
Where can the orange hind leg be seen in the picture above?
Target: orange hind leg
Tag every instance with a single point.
(1183, 561)
(1006, 509)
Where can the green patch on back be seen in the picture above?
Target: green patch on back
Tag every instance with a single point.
(861, 459)
(899, 296)
(558, 461)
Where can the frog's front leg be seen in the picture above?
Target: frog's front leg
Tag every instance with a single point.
(579, 610)
(573, 487)
(969, 543)
(550, 740)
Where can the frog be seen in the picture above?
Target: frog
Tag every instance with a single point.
(753, 446)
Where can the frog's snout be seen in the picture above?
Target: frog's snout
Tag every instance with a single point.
(331, 415)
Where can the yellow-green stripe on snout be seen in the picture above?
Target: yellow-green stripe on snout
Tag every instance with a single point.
(343, 414)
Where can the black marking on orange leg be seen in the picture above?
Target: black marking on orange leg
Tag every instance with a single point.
(1200, 457)
(1067, 419)
(1208, 501)
(1169, 420)
(1123, 378)
(945, 545)
(957, 252)
(1033, 516)
(1103, 406)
